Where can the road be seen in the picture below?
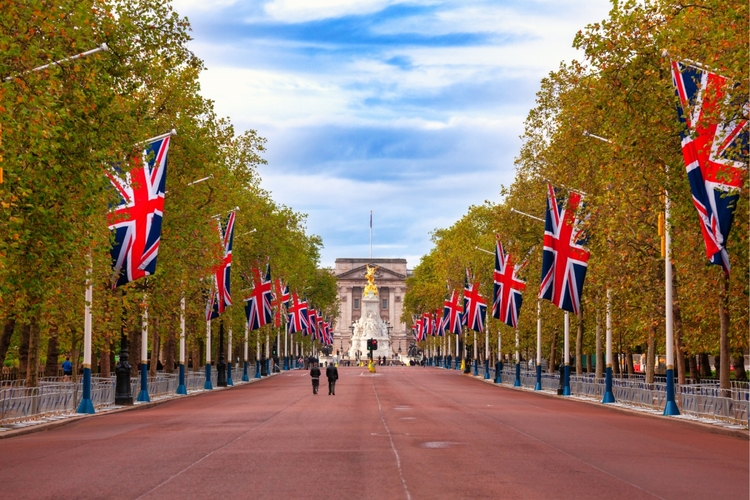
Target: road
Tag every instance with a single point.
(404, 432)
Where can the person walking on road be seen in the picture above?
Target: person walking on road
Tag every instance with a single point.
(333, 375)
(315, 374)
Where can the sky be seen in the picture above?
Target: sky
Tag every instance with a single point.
(411, 109)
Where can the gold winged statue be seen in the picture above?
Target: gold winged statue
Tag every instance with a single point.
(371, 287)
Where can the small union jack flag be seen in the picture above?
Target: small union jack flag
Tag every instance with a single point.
(221, 297)
(507, 288)
(565, 259)
(280, 301)
(258, 309)
(439, 324)
(136, 221)
(715, 152)
(452, 314)
(312, 323)
(475, 307)
(297, 315)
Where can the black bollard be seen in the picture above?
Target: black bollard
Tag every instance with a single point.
(122, 370)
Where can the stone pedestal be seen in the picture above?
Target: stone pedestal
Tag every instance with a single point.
(370, 326)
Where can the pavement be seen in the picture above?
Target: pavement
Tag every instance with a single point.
(403, 432)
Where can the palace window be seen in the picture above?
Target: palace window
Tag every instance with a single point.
(356, 303)
(384, 304)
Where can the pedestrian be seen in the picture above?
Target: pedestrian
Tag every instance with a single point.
(67, 368)
(315, 374)
(333, 375)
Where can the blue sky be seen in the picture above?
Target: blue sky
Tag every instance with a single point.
(411, 109)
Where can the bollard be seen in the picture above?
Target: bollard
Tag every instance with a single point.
(245, 377)
(517, 381)
(207, 385)
(86, 406)
(609, 397)
(566, 381)
(230, 382)
(286, 363)
(499, 372)
(486, 369)
(538, 385)
(257, 368)
(181, 387)
(143, 395)
(670, 407)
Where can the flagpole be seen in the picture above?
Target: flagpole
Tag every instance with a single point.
(487, 352)
(566, 357)
(286, 345)
(245, 376)
(538, 385)
(517, 380)
(101, 48)
(371, 234)
(143, 395)
(230, 382)
(207, 384)
(670, 406)
(609, 396)
(257, 354)
(86, 405)
(181, 386)
(499, 364)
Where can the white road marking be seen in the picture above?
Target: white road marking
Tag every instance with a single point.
(393, 447)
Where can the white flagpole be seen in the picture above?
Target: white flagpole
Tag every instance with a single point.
(670, 406)
(566, 357)
(143, 394)
(100, 48)
(207, 384)
(538, 385)
(86, 405)
(609, 396)
(371, 234)
(181, 389)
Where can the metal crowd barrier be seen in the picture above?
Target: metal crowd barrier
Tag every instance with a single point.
(703, 400)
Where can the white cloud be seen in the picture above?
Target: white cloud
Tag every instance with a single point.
(296, 11)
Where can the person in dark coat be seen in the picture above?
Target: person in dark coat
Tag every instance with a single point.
(333, 375)
(315, 374)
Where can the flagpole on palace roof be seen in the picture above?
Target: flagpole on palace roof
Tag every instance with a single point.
(370, 234)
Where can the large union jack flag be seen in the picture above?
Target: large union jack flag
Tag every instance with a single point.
(137, 218)
(508, 287)
(297, 315)
(452, 314)
(221, 296)
(418, 328)
(475, 307)
(715, 152)
(565, 260)
(258, 309)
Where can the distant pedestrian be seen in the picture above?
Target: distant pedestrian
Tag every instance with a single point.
(315, 374)
(333, 375)
(67, 368)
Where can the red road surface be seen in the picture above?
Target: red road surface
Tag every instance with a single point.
(401, 433)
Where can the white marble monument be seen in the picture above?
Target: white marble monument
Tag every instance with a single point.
(370, 325)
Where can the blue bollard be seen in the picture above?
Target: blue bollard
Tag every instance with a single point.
(207, 385)
(257, 368)
(566, 380)
(609, 397)
(143, 395)
(499, 372)
(230, 382)
(486, 369)
(245, 377)
(517, 381)
(670, 407)
(181, 386)
(538, 385)
(286, 363)
(476, 368)
(86, 405)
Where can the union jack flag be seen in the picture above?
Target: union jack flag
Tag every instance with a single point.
(419, 328)
(565, 260)
(452, 314)
(322, 334)
(312, 323)
(258, 309)
(426, 324)
(715, 152)
(475, 307)
(137, 218)
(508, 287)
(439, 324)
(221, 297)
(297, 319)
(280, 301)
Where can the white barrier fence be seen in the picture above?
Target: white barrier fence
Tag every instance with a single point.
(704, 400)
(57, 396)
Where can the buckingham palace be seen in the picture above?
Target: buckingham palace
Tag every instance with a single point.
(390, 278)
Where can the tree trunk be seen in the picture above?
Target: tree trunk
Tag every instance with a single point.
(8, 329)
(724, 382)
(599, 350)
(50, 367)
(552, 354)
(169, 353)
(694, 374)
(739, 366)
(589, 366)
(705, 365)
(678, 347)
(615, 363)
(135, 350)
(651, 354)
(154, 348)
(629, 361)
(196, 357)
(579, 345)
(23, 351)
(32, 370)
